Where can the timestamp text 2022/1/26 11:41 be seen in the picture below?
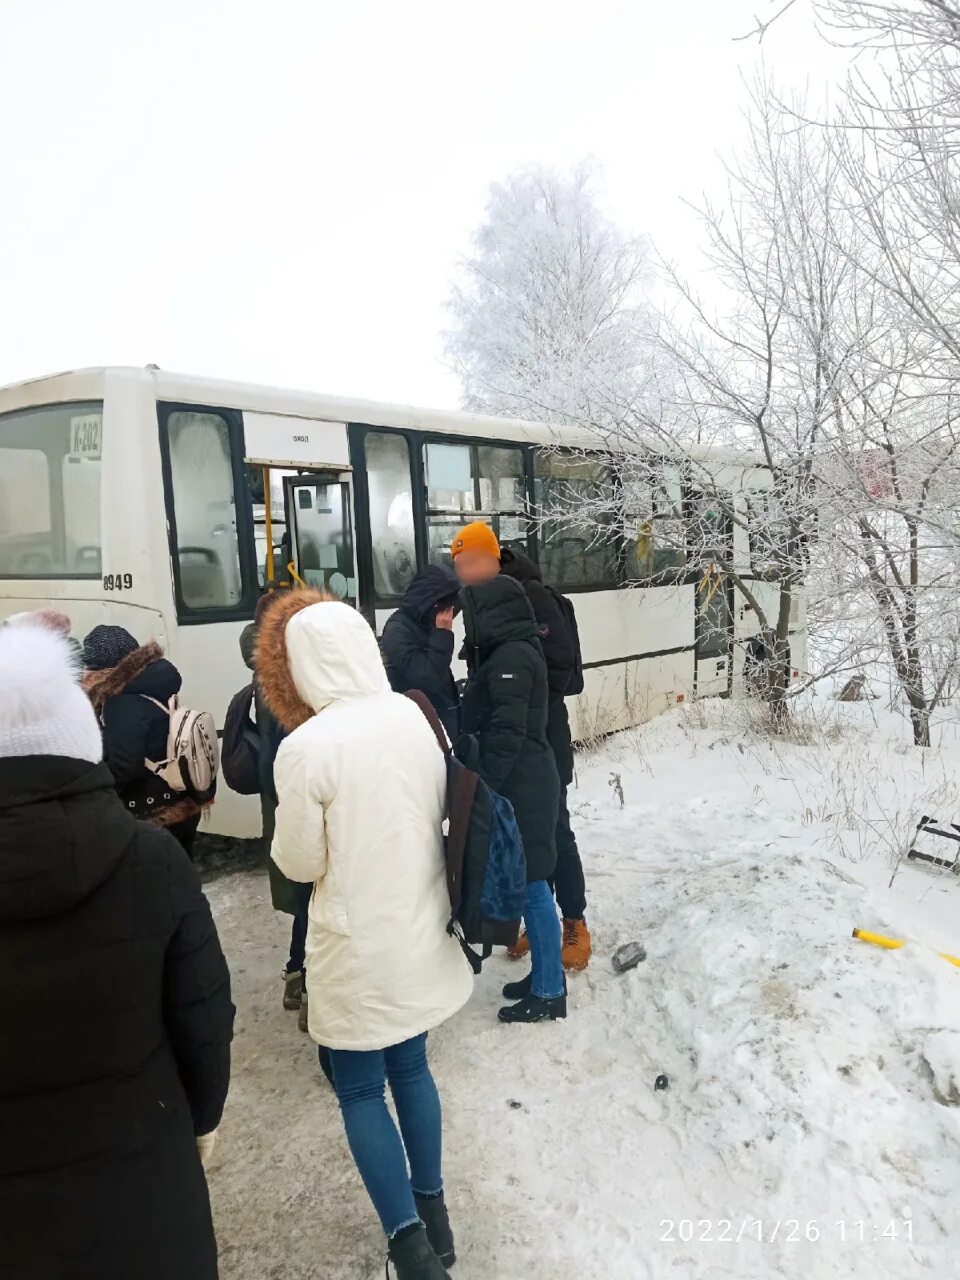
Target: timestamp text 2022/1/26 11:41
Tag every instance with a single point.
(785, 1230)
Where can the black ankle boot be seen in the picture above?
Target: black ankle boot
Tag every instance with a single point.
(413, 1258)
(434, 1216)
(535, 1009)
(517, 990)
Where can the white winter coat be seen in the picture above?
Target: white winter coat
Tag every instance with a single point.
(361, 791)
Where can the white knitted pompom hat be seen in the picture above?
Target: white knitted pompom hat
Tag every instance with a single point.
(43, 710)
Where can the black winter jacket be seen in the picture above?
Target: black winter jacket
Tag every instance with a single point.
(505, 707)
(285, 894)
(559, 650)
(135, 729)
(416, 653)
(115, 1049)
(269, 732)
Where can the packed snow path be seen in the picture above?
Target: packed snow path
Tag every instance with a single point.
(811, 1127)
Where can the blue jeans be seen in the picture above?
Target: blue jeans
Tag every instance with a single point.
(543, 930)
(378, 1150)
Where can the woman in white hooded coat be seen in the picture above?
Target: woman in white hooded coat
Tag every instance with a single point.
(361, 788)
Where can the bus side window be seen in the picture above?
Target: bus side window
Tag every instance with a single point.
(574, 494)
(467, 482)
(204, 502)
(451, 497)
(50, 491)
(654, 525)
(391, 513)
(503, 493)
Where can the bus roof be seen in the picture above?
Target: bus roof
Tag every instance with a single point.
(181, 388)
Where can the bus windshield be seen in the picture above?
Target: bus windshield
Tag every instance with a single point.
(50, 491)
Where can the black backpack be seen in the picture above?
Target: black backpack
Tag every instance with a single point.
(240, 746)
(483, 848)
(566, 608)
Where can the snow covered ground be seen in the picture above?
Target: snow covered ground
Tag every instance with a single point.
(811, 1127)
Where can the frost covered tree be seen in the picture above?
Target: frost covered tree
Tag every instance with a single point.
(925, 24)
(896, 138)
(928, 26)
(547, 318)
(751, 371)
(887, 556)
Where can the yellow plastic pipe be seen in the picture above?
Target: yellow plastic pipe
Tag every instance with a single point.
(268, 529)
(878, 940)
(893, 944)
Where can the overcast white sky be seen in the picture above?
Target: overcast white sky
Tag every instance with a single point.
(278, 192)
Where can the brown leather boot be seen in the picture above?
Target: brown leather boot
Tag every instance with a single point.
(577, 947)
(520, 948)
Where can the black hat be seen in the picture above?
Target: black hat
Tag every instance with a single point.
(105, 647)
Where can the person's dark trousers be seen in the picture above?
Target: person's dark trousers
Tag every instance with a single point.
(185, 832)
(298, 945)
(568, 883)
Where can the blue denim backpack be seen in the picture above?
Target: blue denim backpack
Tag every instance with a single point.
(486, 869)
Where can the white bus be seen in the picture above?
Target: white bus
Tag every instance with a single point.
(168, 504)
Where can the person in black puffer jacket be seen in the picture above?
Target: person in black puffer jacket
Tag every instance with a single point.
(117, 1017)
(269, 732)
(560, 652)
(285, 895)
(505, 709)
(417, 643)
(130, 686)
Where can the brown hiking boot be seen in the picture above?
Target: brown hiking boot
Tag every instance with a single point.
(520, 948)
(577, 947)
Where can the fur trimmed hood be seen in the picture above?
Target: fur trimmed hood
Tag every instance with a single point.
(308, 656)
(101, 685)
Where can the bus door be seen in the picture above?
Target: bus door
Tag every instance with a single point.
(714, 634)
(320, 540)
(714, 599)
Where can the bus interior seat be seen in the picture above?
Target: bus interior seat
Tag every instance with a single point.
(36, 562)
(201, 577)
(89, 560)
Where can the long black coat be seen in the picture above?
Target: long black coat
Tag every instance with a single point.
(559, 651)
(268, 731)
(416, 653)
(505, 706)
(285, 894)
(115, 1049)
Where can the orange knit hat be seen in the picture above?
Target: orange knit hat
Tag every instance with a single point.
(476, 537)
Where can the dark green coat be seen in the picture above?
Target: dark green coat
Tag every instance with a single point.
(505, 706)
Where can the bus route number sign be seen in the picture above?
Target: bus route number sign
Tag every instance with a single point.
(118, 582)
(86, 432)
